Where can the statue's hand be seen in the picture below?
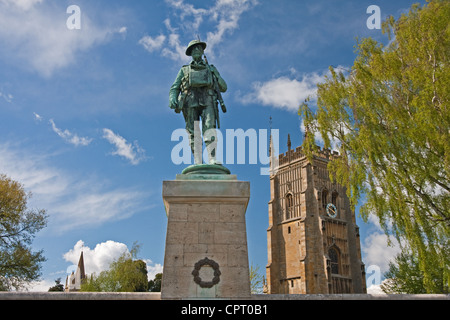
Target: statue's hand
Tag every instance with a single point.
(173, 103)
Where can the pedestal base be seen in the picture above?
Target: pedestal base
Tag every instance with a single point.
(206, 252)
(206, 169)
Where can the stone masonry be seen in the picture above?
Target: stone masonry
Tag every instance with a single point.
(206, 243)
(311, 250)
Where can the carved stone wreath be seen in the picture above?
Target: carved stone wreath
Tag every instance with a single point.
(196, 272)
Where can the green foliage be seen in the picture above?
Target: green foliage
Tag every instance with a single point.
(389, 116)
(58, 287)
(123, 275)
(155, 284)
(256, 280)
(405, 276)
(18, 226)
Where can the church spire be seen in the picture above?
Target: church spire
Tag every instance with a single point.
(81, 266)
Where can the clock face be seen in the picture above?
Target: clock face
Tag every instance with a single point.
(331, 210)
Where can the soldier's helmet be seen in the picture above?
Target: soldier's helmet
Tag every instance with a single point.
(192, 44)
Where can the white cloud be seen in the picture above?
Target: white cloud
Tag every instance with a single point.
(98, 259)
(93, 208)
(377, 251)
(152, 44)
(132, 152)
(22, 4)
(224, 14)
(153, 269)
(188, 10)
(227, 13)
(37, 117)
(43, 285)
(38, 35)
(7, 96)
(175, 50)
(71, 200)
(375, 289)
(284, 92)
(30, 170)
(95, 260)
(377, 248)
(67, 135)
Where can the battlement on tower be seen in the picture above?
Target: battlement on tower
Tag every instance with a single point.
(298, 154)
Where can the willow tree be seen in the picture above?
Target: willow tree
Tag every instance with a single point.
(389, 117)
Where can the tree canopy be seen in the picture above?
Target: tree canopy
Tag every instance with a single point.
(58, 287)
(389, 117)
(124, 275)
(19, 265)
(155, 284)
(404, 276)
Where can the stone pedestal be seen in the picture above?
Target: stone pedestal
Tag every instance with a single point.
(206, 252)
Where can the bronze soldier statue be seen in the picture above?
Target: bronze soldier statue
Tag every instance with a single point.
(197, 92)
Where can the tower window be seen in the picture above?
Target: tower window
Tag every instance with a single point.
(289, 205)
(324, 198)
(334, 197)
(334, 260)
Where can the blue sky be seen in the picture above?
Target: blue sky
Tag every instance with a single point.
(85, 123)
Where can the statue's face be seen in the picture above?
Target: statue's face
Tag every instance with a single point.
(197, 52)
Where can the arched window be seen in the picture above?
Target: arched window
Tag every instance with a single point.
(333, 254)
(289, 205)
(334, 198)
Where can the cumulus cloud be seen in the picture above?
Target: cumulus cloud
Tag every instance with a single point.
(284, 92)
(375, 289)
(132, 152)
(67, 135)
(153, 269)
(95, 260)
(377, 249)
(38, 35)
(99, 259)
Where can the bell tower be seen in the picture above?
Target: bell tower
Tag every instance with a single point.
(312, 240)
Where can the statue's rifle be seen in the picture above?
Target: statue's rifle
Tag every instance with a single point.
(216, 87)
